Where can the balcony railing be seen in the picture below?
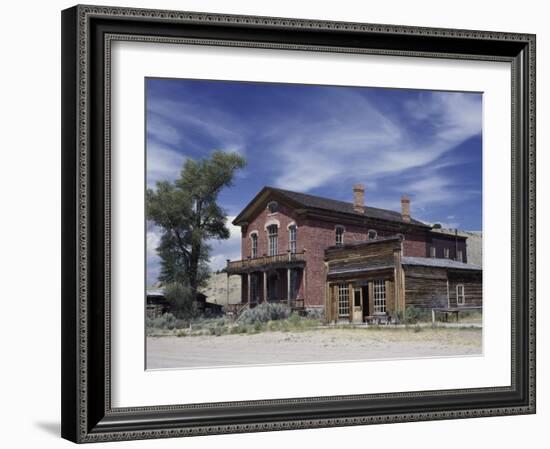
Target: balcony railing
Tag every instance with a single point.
(284, 259)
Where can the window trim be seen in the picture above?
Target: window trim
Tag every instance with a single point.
(270, 212)
(463, 302)
(292, 248)
(272, 250)
(343, 230)
(254, 254)
(343, 300)
(380, 304)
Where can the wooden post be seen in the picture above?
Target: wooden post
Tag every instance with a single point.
(448, 297)
(351, 302)
(248, 288)
(265, 286)
(335, 303)
(288, 284)
(227, 293)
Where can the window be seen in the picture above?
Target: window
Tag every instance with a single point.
(357, 297)
(446, 253)
(254, 245)
(339, 236)
(273, 207)
(343, 300)
(460, 299)
(432, 251)
(292, 239)
(459, 256)
(372, 234)
(379, 296)
(272, 240)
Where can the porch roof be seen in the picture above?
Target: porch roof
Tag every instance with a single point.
(439, 263)
(357, 270)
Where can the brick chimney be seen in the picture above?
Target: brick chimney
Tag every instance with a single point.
(406, 208)
(359, 198)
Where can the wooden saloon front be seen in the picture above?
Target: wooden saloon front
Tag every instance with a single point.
(372, 281)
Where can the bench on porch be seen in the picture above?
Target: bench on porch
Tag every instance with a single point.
(449, 311)
(378, 319)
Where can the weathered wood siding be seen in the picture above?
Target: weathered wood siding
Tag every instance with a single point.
(473, 288)
(425, 287)
(369, 255)
(380, 259)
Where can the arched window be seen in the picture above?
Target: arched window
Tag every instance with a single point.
(254, 245)
(339, 235)
(292, 238)
(272, 240)
(272, 207)
(372, 234)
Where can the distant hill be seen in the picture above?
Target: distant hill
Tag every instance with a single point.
(216, 290)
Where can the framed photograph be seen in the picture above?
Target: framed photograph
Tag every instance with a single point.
(275, 224)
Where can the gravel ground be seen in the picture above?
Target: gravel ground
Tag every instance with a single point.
(310, 346)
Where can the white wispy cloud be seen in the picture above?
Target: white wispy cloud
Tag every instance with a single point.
(226, 249)
(204, 119)
(163, 164)
(356, 141)
(153, 260)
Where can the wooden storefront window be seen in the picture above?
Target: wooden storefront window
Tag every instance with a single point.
(343, 300)
(379, 296)
(460, 297)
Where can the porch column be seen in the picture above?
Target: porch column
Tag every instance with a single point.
(351, 301)
(248, 288)
(265, 286)
(288, 271)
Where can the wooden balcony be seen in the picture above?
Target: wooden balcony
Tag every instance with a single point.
(263, 263)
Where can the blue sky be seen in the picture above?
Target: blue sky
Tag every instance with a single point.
(321, 140)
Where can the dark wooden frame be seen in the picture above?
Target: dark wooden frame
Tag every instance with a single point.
(87, 32)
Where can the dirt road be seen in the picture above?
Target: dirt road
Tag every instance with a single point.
(310, 346)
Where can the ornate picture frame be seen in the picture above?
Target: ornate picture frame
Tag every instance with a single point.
(87, 411)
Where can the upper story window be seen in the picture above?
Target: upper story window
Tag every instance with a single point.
(432, 251)
(254, 245)
(272, 240)
(292, 238)
(446, 253)
(273, 207)
(460, 256)
(372, 234)
(339, 235)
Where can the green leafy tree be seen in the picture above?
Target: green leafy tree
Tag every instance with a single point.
(187, 212)
(183, 300)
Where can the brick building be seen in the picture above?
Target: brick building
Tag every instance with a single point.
(292, 243)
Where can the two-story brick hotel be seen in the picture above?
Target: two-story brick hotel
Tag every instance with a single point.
(354, 261)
